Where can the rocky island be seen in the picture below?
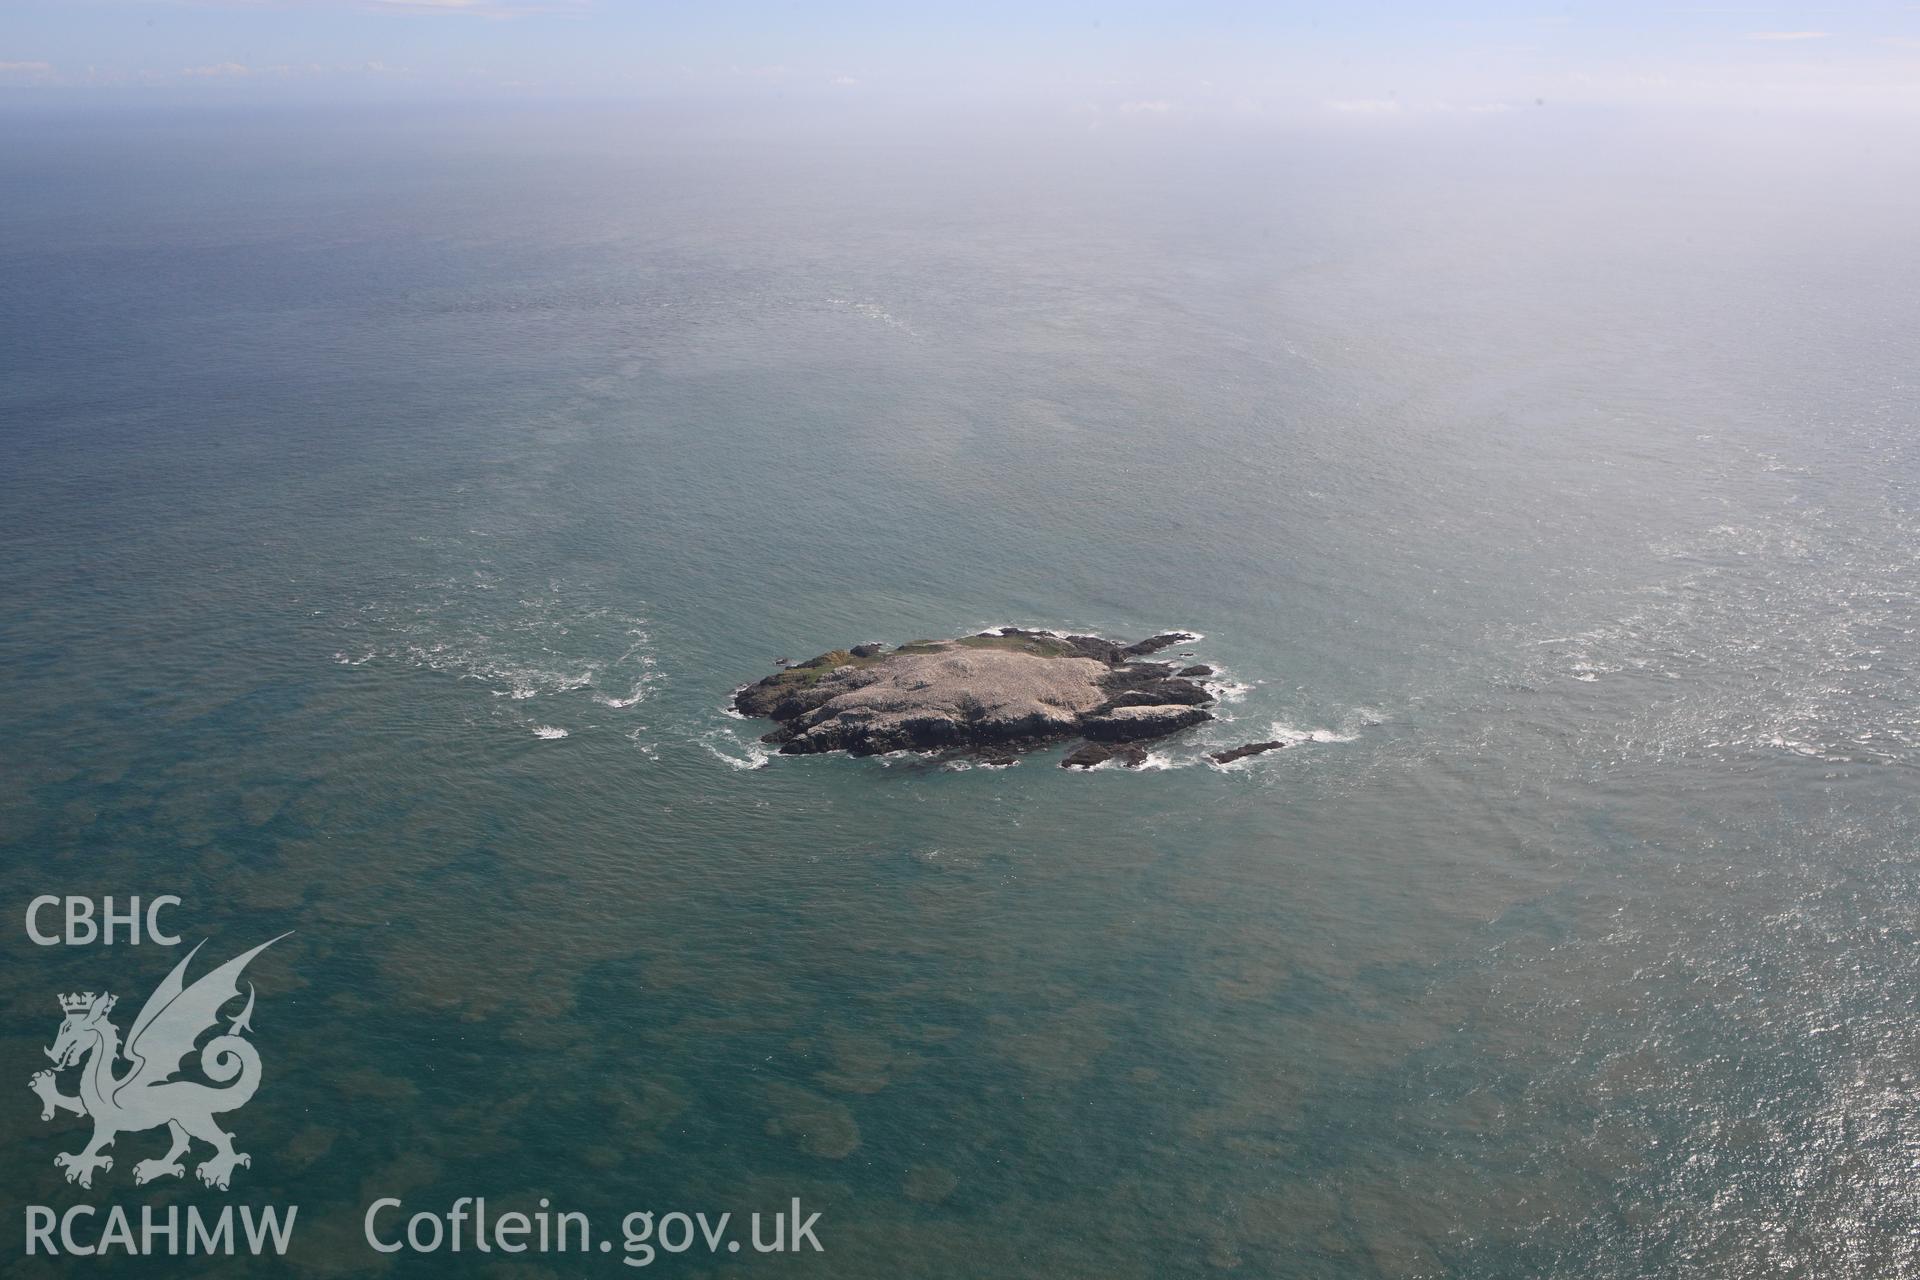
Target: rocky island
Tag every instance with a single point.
(992, 694)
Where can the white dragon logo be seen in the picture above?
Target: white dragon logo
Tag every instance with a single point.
(147, 1096)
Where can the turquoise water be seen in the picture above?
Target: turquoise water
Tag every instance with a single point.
(390, 509)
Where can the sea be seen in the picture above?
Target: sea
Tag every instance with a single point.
(391, 501)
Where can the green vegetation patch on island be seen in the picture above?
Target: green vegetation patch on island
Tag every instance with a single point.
(993, 694)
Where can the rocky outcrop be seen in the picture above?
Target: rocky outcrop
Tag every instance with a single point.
(1160, 693)
(1089, 754)
(1242, 752)
(1007, 690)
(1154, 644)
(1133, 724)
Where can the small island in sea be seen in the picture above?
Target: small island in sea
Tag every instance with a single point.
(991, 695)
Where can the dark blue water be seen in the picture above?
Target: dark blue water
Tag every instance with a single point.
(389, 508)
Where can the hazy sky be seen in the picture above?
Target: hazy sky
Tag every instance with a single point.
(1108, 63)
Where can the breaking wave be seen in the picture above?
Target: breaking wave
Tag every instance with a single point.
(551, 643)
(727, 747)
